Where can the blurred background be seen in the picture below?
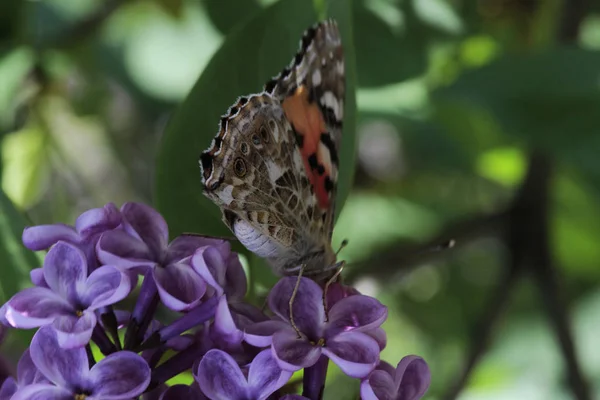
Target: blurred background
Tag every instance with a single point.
(475, 124)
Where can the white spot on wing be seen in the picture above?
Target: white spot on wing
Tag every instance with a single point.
(325, 157)
(329, 100)
(275, 171)
(316, 77)
(226, 195)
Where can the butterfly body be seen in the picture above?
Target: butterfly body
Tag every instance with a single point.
(272, 168)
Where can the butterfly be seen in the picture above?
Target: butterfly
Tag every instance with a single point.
(273, 166)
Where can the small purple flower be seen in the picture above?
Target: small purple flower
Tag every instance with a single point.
(343, 338)
(121, 375)
(220, 377)
(86, 232)
(222, 271)
(27, 374)
(143, 245)
(408, 381)
(69, 301)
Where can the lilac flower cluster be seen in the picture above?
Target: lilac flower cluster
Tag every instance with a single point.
(233, 349)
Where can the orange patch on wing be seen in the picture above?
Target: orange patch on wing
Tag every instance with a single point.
(308, 121)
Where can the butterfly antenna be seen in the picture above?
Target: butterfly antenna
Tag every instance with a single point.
(291, 302)
(344, 244)
(331, 280)
(448, 244)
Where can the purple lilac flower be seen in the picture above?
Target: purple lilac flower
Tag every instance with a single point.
(341, 338)
(69, 301)
(27, 374)
(86, 232)
(142, 246)
(121, 375)
(408, 381)
(233, 348)
(220, 377)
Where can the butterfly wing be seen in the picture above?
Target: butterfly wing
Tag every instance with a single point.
(273, 165)
(312, 91)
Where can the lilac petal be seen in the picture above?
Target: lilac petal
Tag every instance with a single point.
(308, 312)
(185, 245)
(379, 335)
(236, 284)
(8, 388)
(379, 386)
(63, 367)
(179, 286)
(412, 378)
(354, 352)
(42, 237)
(125, 251)
(65, 268)
(33, 307)
(261, 333)
(386, 367)
(337, 292)
(72, 332)
(37, 277)
(98, 220)
(294, 353)
(147, 224)
(246, 314)
(43, 391)
(293, 397)
(208, 262)
(121, 375)
(265, 376)
(105, 286)
(355, 312)
(224, 325)
(220, 378)
(27, 373)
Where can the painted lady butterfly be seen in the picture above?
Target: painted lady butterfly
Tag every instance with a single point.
(273, 166)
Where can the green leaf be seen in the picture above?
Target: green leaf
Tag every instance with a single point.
(25, 167)
(341, 11)
(228, 14)
(16, 262)
(548, 100)
(250, 55)
(390, 43)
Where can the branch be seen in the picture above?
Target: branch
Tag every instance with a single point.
(399, 259)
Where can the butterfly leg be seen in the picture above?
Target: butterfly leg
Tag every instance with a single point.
(331, 280)
(291, 302)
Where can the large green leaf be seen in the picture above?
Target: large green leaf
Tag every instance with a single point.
(15, 263)
(16, 260)
(250, 55)
(390, 42)
(547, 100)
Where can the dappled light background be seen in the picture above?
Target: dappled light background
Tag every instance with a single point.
(474, 149)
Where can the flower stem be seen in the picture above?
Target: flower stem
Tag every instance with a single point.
(143, 312)
(314, 379)
(102, 340)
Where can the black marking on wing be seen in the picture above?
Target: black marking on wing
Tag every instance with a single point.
(328, 142)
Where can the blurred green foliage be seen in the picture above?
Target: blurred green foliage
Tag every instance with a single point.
(113, 100)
